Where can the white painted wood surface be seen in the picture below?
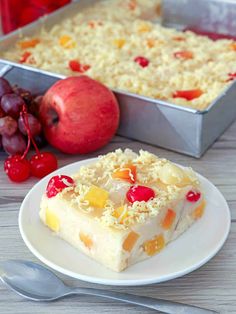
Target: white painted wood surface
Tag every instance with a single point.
(212, 286)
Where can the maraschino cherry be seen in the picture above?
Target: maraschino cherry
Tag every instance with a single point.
(58, 183)
(139, 193)
(193, 196)
(18, 168)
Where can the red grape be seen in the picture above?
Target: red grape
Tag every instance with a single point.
(5, 87)
(14, 144)
(23, 93)
(33, 107)
(12, 104)
(34, 125)
(8, 126)
(2, 113)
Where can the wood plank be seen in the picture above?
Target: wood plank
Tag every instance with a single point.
(211, 286)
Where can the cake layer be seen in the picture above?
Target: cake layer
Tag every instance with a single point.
(107, 223)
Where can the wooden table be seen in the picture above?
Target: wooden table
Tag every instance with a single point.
(212, 286)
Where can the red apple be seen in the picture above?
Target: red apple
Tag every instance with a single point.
(79, 115)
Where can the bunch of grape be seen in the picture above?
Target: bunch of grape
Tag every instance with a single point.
(20, 128)
(13, 135)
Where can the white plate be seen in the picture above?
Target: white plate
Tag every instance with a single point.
(190, 251)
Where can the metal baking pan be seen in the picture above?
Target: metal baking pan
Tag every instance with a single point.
(157, 122)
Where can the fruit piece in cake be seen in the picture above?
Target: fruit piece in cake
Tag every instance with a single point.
(163, 203)
(96, 196)
(127, 173)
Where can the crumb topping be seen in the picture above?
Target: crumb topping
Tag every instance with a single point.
(149, 173)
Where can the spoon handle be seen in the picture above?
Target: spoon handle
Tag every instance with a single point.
(163, 306)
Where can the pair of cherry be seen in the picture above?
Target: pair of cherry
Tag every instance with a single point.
(19, 168)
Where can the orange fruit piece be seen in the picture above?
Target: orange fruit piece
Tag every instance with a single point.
(132, 4)
(155, 245)
(130, 241)
(188, 94)
(119, 42)
(199, 211)
(169, 219)
(88, 242)
(120, 213)
(66, 41)
(233, 46)
(29, 43)
(127, 173)
(183, 54)
(151, 43)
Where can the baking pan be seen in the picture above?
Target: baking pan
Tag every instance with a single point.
(153, 121)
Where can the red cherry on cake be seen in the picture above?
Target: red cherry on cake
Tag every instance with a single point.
(58, 183)
(139, 193)
(142, 61)
(16, 168)
(193, 196)
(42, 164)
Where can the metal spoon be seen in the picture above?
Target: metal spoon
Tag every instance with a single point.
(37, 283)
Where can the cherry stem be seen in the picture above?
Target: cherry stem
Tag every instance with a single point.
(28, 141)
(30, 137)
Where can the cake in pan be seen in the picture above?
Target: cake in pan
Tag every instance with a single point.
(116, 43)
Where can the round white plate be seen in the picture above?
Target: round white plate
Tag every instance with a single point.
(187, 253)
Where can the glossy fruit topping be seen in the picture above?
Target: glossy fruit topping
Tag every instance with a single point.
(232, 76)
(25, 56)
(142, 61)
(96, 197)
(139, 193)
(188, 94)
(58, 183)
(193, 196)
(127, 173)
(76, 66)
(183, 54)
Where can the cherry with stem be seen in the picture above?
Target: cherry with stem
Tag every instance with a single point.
(19, 169)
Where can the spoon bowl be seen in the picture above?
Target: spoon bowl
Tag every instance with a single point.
(32, 280)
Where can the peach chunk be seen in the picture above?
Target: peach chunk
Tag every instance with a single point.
(88, 242)
(199, 210)
(96, 197)
(155, 245)
(66, 41)
(29, 43)
(120, 213)
(127, 173)
(169, 219)
(130, 241)
(52, 221)
(119, 43)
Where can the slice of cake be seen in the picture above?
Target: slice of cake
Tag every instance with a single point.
(124, 207)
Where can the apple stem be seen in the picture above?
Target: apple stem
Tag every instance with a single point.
(30, 138)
